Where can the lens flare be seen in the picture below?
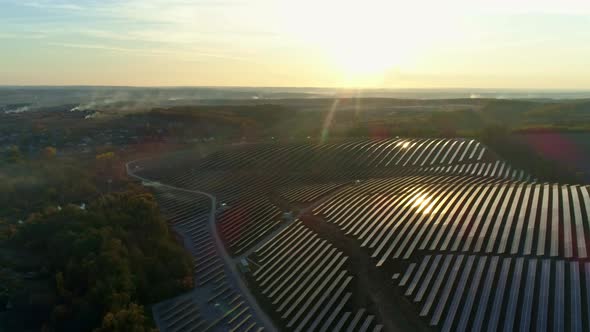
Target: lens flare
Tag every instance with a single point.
(328, 121)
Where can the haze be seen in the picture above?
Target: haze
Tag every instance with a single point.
(374, 43)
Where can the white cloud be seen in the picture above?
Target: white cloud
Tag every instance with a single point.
(203, 29)
(26, 35)
(468, 7)
(53, 5)
(187, 55)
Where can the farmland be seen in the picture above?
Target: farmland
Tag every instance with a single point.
(389, 234)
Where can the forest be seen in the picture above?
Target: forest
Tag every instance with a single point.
(87, 256)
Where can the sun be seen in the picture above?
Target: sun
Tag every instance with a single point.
(363, 40)
(364, 57)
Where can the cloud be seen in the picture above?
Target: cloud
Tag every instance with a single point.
(24, 35)
(176, 12)
(94, 47)
(182, 29)
(470, 7)
(53, 5)
(192, 55)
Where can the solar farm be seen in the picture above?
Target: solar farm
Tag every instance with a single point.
(372, 235)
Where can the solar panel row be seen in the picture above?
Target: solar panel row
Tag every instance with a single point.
(467, 292)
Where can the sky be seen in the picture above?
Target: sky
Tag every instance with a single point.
(528, 44)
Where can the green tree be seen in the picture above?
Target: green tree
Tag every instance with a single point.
(13, 155)
(107, 261)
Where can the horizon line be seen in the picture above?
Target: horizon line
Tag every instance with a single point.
(286, 87)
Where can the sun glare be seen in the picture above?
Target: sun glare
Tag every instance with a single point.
(361, 40)
(403, 145)
(422, 204)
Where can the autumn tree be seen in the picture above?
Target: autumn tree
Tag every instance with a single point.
(129, 319)
(107, 261)
(49, 152)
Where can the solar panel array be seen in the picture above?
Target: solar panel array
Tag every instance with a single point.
(394, 217)
(239, 175)
(189, 213)
(367, 153)
(197, 311)
(466, 292)
(305, 280)
(497, 169)
(247, 221)
(309, 193)
(181, 315)
(472, 243)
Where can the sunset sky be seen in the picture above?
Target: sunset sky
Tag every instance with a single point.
(370, 43)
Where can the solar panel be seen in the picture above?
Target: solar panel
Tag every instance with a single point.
(530, 229)
(527, 305)
(575, 297)
(499, 291)
(436, 286)
(511, 309)
(417, 276)
(458, 294)
(444, 296)
(543, 299)
(559, 306)
(520, 220)
(555, 221)
(471, 296)
(543, 221)
(579, 226)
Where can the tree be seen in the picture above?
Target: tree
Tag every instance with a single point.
(130, 319)
(107, 156)
(109, 167)
(13, 155)
(106, 261)
(6, 230)
(49, 152)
